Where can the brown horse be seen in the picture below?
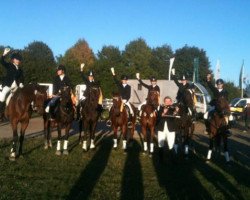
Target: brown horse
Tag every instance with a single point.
(184, 123)
(218, 125)
(120, 119)
(148, 119)
(90, 114)
(64, 116)
(19, 110)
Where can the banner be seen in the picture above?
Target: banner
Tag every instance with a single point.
(171, 62)
(241, 78)
(196, 70)
(217, 70)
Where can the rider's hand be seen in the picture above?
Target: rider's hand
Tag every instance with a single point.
(82, 66)
(137, 75)
(209, 77)
(113, 71)
(6, 51)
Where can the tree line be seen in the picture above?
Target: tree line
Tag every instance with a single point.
(39, 63)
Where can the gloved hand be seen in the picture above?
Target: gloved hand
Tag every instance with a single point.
(137, 76)
(209, 77)
(6, 51)
(112, 70)
(82, 66)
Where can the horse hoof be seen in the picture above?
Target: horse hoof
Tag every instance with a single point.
(208, 161)
(150, 155)
(11, 158)
(58, 153)
(46, 147)
(65, 152)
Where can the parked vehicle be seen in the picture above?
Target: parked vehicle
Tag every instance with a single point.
(237, 106)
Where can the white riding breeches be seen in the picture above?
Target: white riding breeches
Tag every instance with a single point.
(166, 135)
(4, 92)
(129, 106)
(139, 107)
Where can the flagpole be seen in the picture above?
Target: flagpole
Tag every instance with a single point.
(170, 67)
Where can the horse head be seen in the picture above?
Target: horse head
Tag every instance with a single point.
(188, 97)
(65, 97)
(222, 106)
(117, 102)
(92, 94)
(40, 96)
(153, 99)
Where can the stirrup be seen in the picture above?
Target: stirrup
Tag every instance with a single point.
(130, 124)
(108, 123)
(228, 133)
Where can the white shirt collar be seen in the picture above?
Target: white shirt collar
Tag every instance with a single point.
(16, 66)
(124, 85)
(61, 76)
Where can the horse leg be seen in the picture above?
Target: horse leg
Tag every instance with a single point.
(124, 137)
(58, 147)
(211, 144)
(15, 140)
(46, 133)
(152, 140)
(24, 125)
(144, 133)
(115, 129)
(186, 142)
(84, 138)
(92, 135)
(226, 154)
(80, 131)
(66, 141)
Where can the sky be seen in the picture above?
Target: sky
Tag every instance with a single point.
(220, 27)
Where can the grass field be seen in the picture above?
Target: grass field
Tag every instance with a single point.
(105, 173)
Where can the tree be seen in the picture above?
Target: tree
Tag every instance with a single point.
(38, 63)
(108, 57)
(79, 53)
(136, 58)
(184, 62)
(160, 60)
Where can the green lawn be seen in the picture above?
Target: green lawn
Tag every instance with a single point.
(110, 174)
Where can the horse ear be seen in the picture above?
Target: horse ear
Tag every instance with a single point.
(35, 92)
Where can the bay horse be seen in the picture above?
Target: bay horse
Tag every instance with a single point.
(218, 125)
(19, 110)
(148, 119)
(120, 119)
(185, 124)
(64, 116)
(90, 114)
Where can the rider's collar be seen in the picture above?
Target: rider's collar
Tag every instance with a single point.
(16, 66)
(124, 85)
(220, 89)
(62, 76)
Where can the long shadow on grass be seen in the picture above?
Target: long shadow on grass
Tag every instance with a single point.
(178, 178)
(218, 179)
(92, 172)
(132, 183)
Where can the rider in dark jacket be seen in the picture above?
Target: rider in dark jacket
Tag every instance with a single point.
(218, 91)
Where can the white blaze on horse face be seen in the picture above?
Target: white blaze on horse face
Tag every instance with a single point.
(209, 154)
(35, 92)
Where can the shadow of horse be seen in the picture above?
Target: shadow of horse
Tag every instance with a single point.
(64, 116)
(19, 110)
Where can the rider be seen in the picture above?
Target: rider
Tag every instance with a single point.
(60, 80)
(152, 87)
(89, 82)
(125, 92)
(183, 86)
(217, 91)
(14, 77)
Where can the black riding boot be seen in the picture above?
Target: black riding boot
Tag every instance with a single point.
(78, 107)
(207, 124)
(2, 107)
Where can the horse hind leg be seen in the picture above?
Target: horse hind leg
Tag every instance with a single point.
(12, 156)
(226, 154)
(210, 150)
(58, 146)
(145, 143)
(66, 141)
(151, 140)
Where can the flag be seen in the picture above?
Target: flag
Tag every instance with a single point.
(217, 70)
(241, 78)
(241, 75)
(196, 72)
(171, 62)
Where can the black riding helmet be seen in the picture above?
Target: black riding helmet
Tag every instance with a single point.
(16, 56)
(219, 81)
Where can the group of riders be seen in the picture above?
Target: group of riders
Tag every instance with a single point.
(14, 79)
